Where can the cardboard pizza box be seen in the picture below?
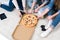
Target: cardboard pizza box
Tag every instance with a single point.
(23, 33)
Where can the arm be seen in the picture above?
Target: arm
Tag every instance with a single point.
(36, 10)
(55, 14)
(33, 4)
(42, 4)
(52, 16)
(50, 5)
(16, 5)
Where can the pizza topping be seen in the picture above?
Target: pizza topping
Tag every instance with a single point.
(29, 20)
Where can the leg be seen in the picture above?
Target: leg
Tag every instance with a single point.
(8, 8)
(54, 24)
(20, 4)
(48, 8)
(56, 20)
(29, 3)
(43, 11)
(51, 12)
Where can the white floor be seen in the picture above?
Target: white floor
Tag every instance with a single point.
(8, 25)
(2, 37)
(55, 35)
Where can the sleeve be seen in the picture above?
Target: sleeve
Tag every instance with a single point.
(51, 3)
(34, 0)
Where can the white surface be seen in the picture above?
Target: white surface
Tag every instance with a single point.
(55, 35)
(7, 26)
(4, 2)
(3, 37)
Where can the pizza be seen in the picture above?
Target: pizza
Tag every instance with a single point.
(29, 20)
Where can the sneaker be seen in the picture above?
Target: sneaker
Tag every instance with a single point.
(46, 33)
(49, 24)
(43, 27)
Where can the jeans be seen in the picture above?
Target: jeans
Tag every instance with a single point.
(29, 3)
(49, 6)
(20, 4)
(51, 3)
(51, 12)
(9, 7)
(56, 20)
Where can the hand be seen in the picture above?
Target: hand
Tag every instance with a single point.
(49, 17)
(20, 15)
(40, 16)
(36, 10)
(25, 11)
(30, 11)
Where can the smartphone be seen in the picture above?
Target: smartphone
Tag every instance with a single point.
(3, 16)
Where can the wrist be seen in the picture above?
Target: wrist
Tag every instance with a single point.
(31, 8)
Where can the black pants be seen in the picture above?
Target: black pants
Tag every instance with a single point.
(22, 12)
(20, 6)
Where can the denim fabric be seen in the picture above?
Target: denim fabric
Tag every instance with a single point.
(9, 7)
(34, 0)
(49, 6)
(38, 2)
(29, 2)
(20, 4)
(51, 12)
(56, 20)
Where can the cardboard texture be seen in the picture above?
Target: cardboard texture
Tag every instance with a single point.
(22, 33)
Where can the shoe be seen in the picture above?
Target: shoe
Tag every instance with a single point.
(43, 27)
(49, 24)
(46, 33)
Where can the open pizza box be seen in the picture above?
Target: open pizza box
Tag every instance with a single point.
(22, 32)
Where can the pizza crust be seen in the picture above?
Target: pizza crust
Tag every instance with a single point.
(28, 20)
